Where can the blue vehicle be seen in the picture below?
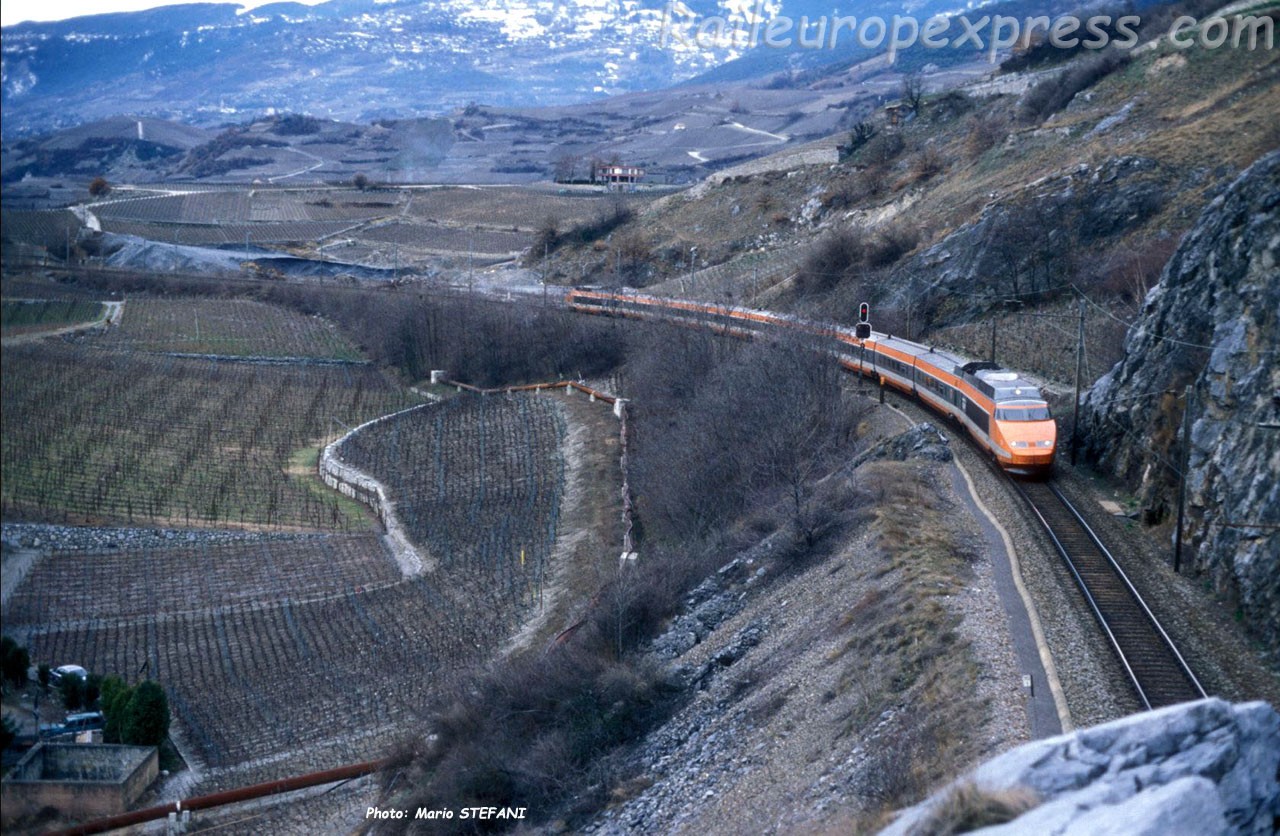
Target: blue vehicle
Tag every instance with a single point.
(74, 724)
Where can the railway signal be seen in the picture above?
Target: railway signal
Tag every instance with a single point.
(863, 329)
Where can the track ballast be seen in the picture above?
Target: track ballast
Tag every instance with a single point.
(1157, 671)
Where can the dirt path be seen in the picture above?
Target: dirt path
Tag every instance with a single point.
(111, 315)
(590, 540)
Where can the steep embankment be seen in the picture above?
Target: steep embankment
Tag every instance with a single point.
(1211, 324)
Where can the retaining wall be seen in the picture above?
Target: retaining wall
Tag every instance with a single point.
(362, 487)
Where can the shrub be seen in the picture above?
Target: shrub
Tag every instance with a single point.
(926, 163)
(72, 691)
(99, 187)
(1053, 94)
(882, 149)
(890, 244)
(967, 808)
(985, 133)
(15, 662)
(834, 258)
(146, 716)
(115, 701)
(8, 733)
(860, 135)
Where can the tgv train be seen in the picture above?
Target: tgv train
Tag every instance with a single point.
(1004, 412)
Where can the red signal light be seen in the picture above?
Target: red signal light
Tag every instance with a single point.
(864, 312)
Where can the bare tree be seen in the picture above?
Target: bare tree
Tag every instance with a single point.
(566, 168)
(913, 91)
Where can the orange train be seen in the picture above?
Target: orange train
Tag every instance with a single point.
(1003, 412)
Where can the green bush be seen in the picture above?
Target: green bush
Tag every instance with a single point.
(146, 717)
(15, 662)
(72, 690)
(115, 701)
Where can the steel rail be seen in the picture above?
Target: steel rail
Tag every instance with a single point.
(1157, 671)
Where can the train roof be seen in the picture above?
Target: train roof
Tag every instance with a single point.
(1004, 385)
(939, 359)
(998, 383)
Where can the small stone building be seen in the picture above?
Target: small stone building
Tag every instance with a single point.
(84, 781)
(621, 178)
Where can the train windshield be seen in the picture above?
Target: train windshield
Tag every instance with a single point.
(1023, 413)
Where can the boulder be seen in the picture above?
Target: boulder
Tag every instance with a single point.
(1196, 768)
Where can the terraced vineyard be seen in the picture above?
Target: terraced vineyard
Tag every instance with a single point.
(187, 577)
(130, 437)
(508, 207)
(204, 235)
(450, 239)
(233, 327)
(477, 481)
(312, 647)
(289, 653)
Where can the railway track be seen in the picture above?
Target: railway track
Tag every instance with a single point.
(1157, 671)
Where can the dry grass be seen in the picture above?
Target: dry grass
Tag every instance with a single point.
(902, 649)
(967, 808)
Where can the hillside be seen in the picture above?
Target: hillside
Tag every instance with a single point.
(362, 60)
(827, 604)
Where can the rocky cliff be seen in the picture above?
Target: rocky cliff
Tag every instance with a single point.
(1212, 323)
(1202, 767)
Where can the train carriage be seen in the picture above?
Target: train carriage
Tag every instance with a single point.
(1004, 412)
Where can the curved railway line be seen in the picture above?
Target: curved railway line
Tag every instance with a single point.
(1156, 669)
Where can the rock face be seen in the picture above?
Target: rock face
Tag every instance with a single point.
(1213, 322)
(1021, 242)
(1202, 767)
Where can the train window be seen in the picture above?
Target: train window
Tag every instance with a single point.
(977, 415)
(1034, 413)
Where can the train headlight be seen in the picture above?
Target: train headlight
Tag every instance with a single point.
(1019, 444)
(1046, 443)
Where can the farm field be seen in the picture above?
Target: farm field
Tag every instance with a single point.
(507, 207)
(291, 646)
(428, 236)
(93, 435)
(26, 316)
(230, 327)
(477, 481)
(286, 653)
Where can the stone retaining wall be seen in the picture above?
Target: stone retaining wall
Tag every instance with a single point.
(362, 487)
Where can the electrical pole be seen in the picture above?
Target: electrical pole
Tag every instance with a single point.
(1075, 412)
(993, 334)
(1182, 478)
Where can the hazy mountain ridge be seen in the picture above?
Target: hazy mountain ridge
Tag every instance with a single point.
(360, 60)
(348, 59)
